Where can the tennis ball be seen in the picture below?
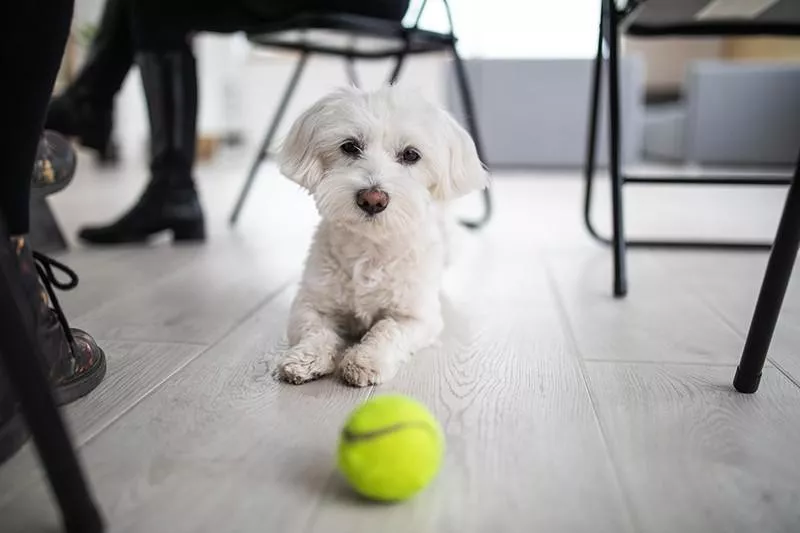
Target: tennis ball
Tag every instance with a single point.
(390, 448)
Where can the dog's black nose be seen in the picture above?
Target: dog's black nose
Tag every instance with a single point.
(372, 201)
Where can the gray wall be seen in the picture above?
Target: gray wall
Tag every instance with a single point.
(535, 112)
(739, 113)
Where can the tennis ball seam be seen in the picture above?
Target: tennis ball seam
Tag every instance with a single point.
(350, 437)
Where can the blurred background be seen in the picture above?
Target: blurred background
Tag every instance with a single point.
(530, 64)
(565, 409)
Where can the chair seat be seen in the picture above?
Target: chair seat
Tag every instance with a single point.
(653, 18)
(349, 35)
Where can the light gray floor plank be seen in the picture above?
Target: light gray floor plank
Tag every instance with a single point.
(207, 450)
(106, 274)
(697, 457)
(659, 320)
(729, 285)
(196, 304)
(134, 371)
(162, 308)
(220, 447)
(524, 449)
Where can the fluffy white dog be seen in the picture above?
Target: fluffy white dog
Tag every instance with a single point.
(380, 166)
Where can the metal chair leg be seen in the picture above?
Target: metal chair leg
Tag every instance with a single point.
(398, 67)
(591, 137)
(19, 353)
(472, 125)
(352, 74)
(773, 289)
(265, 144)
(612, 28)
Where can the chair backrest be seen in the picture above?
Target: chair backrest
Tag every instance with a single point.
(355, 35)
(447, 11)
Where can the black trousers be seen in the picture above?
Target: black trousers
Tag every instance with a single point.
(160, 25)
(110, 57)
(32, 42)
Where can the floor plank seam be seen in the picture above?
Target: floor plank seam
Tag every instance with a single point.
(661, 363)
(115, 340)
(785, 372)
(107, 255)
(742, 336)
(312, 516)
(309, 525)
(160, 280)
(81, 443)
(572, 343)
(716, 311)
(697, 294)
(264, 301)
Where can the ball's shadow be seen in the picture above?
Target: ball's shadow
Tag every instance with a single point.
(316, 476)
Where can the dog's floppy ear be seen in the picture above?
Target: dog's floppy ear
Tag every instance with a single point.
(298, 156)
(463, 171)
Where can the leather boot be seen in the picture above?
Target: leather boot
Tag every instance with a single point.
(85, 110)
(75, 363)
(170, 202)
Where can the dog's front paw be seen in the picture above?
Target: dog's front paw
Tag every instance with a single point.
(360, 367)
(297, 366)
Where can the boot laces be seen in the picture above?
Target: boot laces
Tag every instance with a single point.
(47, 267)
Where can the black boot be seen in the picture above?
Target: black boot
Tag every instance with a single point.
(75, 363)
(170, 202)
(86, 108)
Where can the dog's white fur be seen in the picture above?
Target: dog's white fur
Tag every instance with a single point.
(369, 295)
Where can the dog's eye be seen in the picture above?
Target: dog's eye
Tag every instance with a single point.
(351, 148)
(409, 156)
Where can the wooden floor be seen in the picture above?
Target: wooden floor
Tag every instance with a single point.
(565, 410)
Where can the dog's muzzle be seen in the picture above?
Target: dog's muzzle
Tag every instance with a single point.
(372, 201)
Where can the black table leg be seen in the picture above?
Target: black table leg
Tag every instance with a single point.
(773, 290)
(45, 234)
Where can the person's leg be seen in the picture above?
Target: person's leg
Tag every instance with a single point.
(162, 39)
(167, 66)
(75, 362)
(170, 201)
(85, 109)
(39, 33)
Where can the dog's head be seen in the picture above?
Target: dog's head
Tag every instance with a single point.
(379, 159)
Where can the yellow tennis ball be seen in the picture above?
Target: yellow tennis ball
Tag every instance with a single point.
(390, 448)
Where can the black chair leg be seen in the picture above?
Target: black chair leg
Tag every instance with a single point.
(398, 67)
(591, 137)
(263, 151)
(352, 73)
(19, 352)
(610, 19)
(773, 289)
(467, 102)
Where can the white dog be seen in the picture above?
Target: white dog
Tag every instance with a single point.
(380, 166)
